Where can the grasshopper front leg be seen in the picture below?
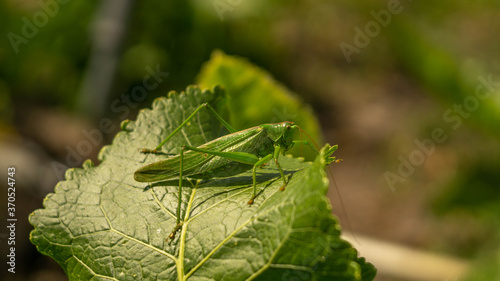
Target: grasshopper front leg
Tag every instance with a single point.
(277, 151)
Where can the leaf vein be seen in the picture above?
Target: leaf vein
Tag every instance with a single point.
(229, 237)
(276, 250)
(90, 269)
(145, 244)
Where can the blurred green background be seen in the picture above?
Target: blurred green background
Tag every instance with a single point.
(409, 90)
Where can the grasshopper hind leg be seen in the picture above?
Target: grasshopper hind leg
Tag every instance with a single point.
(259, 163)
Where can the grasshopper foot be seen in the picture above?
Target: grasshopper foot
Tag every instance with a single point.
(172, 234)
(149, 151)
(250, 202)
(285, 183)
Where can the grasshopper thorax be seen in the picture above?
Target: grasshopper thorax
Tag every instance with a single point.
(281, 133)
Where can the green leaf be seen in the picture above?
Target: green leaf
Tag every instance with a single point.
(100, 224)
(256, 98)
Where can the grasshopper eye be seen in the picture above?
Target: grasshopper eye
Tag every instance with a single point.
(288, 127)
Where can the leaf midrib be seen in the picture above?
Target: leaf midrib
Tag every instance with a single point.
(182, 246)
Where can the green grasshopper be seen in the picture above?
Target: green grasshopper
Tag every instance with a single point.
(225, 156)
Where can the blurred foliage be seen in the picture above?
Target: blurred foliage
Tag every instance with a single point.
(36, 53)
(475, 189)
(486, 268)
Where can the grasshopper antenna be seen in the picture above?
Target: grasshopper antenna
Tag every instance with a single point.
(301, 143)
(348, 221)
(344, 211)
